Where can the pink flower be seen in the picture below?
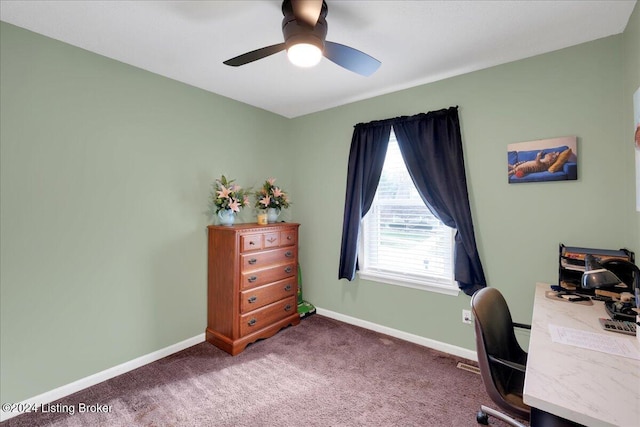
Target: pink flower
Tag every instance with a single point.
(234, 206)
(265, 201)
(245, 200)
(224, 192)
(271, 180)
(277, 192)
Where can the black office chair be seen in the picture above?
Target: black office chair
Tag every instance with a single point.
(502, 361)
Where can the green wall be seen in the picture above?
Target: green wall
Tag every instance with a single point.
(576, 91)
(631, 44)
(105, 177)
(105, 173)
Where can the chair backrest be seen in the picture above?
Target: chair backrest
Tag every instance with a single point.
(495, 336)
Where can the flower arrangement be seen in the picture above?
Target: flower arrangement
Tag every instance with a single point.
(226, 195)
(271, 196)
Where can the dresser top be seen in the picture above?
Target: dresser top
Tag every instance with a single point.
(253, 225)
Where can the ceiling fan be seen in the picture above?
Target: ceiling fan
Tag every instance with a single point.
(304, 28)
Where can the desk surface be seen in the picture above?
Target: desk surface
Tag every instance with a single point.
(586, 386)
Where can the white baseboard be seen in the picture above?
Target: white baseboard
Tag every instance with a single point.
(99, 377)
(416, 339)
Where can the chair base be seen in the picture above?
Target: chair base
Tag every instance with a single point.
(483, 417)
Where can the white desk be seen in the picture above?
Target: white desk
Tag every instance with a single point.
(586, 386)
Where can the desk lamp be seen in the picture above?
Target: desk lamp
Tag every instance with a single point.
(596, 276)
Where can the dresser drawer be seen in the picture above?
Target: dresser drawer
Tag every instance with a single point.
(265, 316)
(250, 242)
(257, 261)
(288, 237)
(255, 298)
(271, 240)
(252, 279)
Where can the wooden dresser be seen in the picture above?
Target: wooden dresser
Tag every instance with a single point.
(252, 283)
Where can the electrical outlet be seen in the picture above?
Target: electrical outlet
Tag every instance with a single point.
(466, 316)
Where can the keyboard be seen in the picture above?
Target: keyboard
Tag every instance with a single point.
(621, 326)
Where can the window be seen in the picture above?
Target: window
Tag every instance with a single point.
(401, 242)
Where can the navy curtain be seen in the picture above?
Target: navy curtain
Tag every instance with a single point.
(431, 146)
(366, 158)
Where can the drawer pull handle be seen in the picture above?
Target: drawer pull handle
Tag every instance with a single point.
(287, 307)
(252, 299)
(288, 269)
(252, 322)
(251, 242)
(253, 261)
(287, 288)
(289, 237)
(253, 279)
(288, 254)
(271, 239)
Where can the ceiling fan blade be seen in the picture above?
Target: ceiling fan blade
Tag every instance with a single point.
(254, 55)
(350, 58)
(307, 11)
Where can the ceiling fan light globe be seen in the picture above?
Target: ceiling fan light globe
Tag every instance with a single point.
(304, 55)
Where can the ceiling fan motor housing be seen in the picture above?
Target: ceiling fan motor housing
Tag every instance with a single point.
(298, 32)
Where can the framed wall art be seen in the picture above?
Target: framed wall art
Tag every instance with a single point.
(544, 160)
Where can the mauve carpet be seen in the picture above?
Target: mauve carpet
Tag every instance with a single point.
(320, 373)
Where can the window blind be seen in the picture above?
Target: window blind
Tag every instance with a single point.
(400, 237)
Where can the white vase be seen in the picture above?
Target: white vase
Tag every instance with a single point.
(226, 217)
(272, 215)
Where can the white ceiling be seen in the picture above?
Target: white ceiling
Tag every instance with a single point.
(417, 41)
